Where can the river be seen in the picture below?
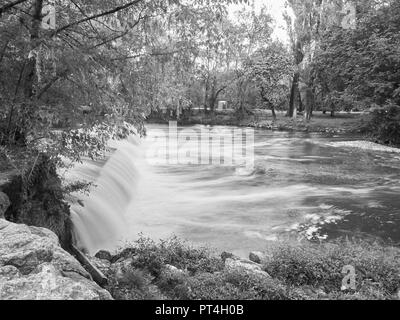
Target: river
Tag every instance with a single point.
(298, 184)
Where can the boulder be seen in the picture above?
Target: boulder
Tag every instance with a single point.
(258, 257)
(33, 266)
(228, 255)
(4, 204)
(104, 255)
(246, 267)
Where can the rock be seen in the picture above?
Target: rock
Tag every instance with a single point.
(174, 270)
(4, 204)
(258, 257)
(228, 255)
(33, 266)
(104, 255)
(246, 267)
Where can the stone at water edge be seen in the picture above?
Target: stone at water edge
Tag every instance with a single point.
(228, 255)
(246, 267)
(4, 204)
(104, 255)
(257, 257)
(33, 266)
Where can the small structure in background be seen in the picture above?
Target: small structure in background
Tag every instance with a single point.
(223, 106)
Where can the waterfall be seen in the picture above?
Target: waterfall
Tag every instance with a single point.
(101, 222)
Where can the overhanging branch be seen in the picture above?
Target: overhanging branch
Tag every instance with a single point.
(10, 5)
(99, 15)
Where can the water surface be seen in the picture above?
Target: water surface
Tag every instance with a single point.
(301, 184)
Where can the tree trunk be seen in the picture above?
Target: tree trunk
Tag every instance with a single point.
(207, 85)
(30, 70)
(213, 95)
(309, 103)
(295, 92)
(267, 102)
(273, 112)
(294, 95)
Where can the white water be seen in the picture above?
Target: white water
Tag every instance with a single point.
(102, 220)
(299, 179)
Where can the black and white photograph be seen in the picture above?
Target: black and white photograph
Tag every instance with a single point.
(199, 154)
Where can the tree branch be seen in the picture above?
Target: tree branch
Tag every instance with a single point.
(99, 15)
(119, 35)
(10, 5)
(51, 83)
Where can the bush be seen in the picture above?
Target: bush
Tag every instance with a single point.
(384, 125)
(298, 271)
(224, 286)
(321, 266)
(154, 256)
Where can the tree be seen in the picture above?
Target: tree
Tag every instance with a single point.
(86, 59)
(359, 68)
(269, 68)
(311, 19)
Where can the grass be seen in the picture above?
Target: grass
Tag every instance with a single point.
(299, 271)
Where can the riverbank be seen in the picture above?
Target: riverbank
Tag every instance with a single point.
(34, 266)
(174, 270)
(320, 123)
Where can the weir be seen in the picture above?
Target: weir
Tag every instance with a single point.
(101, 222)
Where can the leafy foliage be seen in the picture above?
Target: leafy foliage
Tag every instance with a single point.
(360, 67)
(299, 271)
(90, 74)
(270, 68)
(384, 125)
(322, 266)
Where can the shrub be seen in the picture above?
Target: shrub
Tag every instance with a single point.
(299, 271)
(384, 125)
(154, 256)
(321, 266)
(223, 286)
(133, 284)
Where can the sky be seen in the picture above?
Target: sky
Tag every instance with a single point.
(276, 9)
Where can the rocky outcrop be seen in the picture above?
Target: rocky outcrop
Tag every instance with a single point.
(33, 266)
